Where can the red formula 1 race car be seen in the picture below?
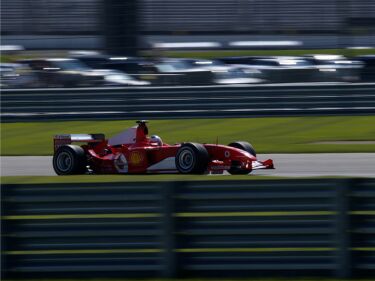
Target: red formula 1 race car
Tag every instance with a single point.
(133, 152)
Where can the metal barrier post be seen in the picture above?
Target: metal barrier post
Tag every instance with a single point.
(342, 227)
(168, 230)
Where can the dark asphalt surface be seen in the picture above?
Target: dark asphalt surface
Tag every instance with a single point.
(287, 165)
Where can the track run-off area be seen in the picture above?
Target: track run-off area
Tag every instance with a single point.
(286, 165)
(132, 103)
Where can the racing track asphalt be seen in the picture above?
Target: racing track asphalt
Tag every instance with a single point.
(287, 165)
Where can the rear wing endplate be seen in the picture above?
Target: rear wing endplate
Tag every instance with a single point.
(60, 140)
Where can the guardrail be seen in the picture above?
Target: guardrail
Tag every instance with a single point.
(188, 102)
(289, 228)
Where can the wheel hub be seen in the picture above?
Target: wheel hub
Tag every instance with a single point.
(64, 161)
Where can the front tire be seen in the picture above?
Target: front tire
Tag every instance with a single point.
(192, 158)
(69, 160)
(236, 168)
(243, 145)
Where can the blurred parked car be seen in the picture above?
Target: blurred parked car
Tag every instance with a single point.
(223, 73)
(67, 72)
(335, 68)
(368, 70)
(94, 61)
(14, 75)
(193, 75)
(277, 69)
(136, 67)
(160, 72)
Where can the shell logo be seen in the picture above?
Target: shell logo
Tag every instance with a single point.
(136, 157)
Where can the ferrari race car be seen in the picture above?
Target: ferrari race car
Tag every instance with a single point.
(133, 152)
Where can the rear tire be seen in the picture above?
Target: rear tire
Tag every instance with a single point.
(244, 145)
(70, 160)
(192, 158)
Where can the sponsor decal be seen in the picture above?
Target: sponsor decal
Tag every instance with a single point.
(217, 172)
(227, 154)
(136, 158)
(60, 142)
(167, 164)
(62, 137)
(222, 167)
(121, 164)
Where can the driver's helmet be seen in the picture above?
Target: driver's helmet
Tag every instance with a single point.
(156, 139)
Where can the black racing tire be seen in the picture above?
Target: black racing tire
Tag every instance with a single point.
(70, 160)
(192, 158)
(243, 145)
(235, 170)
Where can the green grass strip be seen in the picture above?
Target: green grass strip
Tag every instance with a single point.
(268, 135)
(192, 250)
(362, 249)
(256, 214)
(196, 250)
(202, 279)
(154, 215)
(81, 216)
(363, 213)
(202, 54)
(254, 250)
(126, 178)
(89, 251)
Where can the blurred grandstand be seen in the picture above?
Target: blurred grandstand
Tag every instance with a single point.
(123, 28)
(312, 24)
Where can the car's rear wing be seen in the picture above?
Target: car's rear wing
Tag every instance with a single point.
(60, 140)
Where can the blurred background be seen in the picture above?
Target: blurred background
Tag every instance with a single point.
(293, 77)
(246, 37)
(309, 24)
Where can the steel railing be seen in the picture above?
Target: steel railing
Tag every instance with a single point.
(198, 228)
(193, 101)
